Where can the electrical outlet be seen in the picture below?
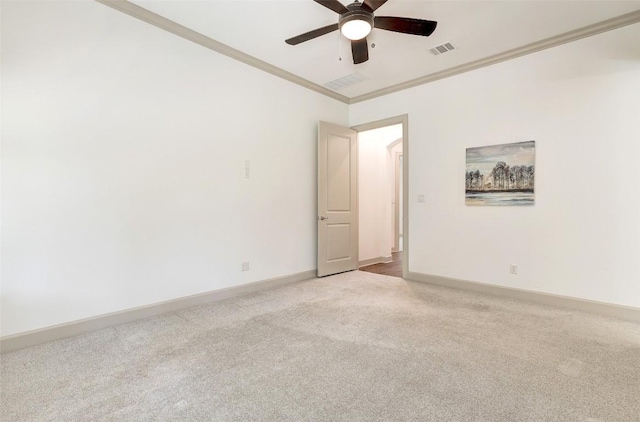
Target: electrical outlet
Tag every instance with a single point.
(513, 269)
(245, 266)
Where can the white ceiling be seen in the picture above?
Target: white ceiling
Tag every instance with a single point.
(478, 29)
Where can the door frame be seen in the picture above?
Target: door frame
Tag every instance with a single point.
(404, 120)
(395, 159)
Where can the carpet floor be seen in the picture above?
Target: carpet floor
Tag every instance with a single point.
(352, 347)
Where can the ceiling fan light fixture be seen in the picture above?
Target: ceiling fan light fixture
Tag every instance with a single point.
(356, 29)
(356, 24)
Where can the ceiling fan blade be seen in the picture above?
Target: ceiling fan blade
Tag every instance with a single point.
(406, 25)
(374, 4)
(312, 34)
(334, 5)
(360, 51)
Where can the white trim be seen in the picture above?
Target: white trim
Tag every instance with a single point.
(70, 329)
(191, 35)
(377, 260)
(396, 224)
(161, 22)
(149, 17)
(602, 308)
(394, 143)
(586, 31)
(396, 194)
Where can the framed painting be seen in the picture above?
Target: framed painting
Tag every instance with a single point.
(501, 174)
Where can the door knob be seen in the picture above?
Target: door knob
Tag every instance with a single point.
(321, 218)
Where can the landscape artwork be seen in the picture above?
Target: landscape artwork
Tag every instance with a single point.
(501, 174)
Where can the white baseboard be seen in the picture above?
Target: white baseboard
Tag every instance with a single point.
(57, 332)
(74, 328)
(377, 260)
(602, 308)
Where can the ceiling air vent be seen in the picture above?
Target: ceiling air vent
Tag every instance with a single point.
(351, 79)
(440, 49)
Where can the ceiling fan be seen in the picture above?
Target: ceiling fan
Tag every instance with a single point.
(356, 22)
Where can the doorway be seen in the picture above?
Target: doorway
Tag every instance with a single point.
(382, 187)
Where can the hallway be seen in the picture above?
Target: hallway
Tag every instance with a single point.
(393, 268)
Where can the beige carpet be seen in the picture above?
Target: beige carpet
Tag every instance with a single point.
(352, 347)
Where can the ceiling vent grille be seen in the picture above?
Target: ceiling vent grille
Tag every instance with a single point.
(443, 48)
(348, 80)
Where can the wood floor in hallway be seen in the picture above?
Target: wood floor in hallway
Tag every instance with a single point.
(393, 268)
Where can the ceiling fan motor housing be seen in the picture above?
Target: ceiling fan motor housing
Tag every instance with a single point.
(356, 12)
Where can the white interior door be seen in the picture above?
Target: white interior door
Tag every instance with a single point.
(337, 199)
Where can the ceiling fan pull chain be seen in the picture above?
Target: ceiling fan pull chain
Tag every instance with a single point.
(339, 46)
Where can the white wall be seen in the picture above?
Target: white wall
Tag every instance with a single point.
(123, 149)
(580, 102)
(374, 191)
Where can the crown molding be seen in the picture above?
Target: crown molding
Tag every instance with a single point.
(168, 25)
(161, 22)
(567, 37)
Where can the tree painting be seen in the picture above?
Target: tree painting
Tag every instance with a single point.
(500, 174)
